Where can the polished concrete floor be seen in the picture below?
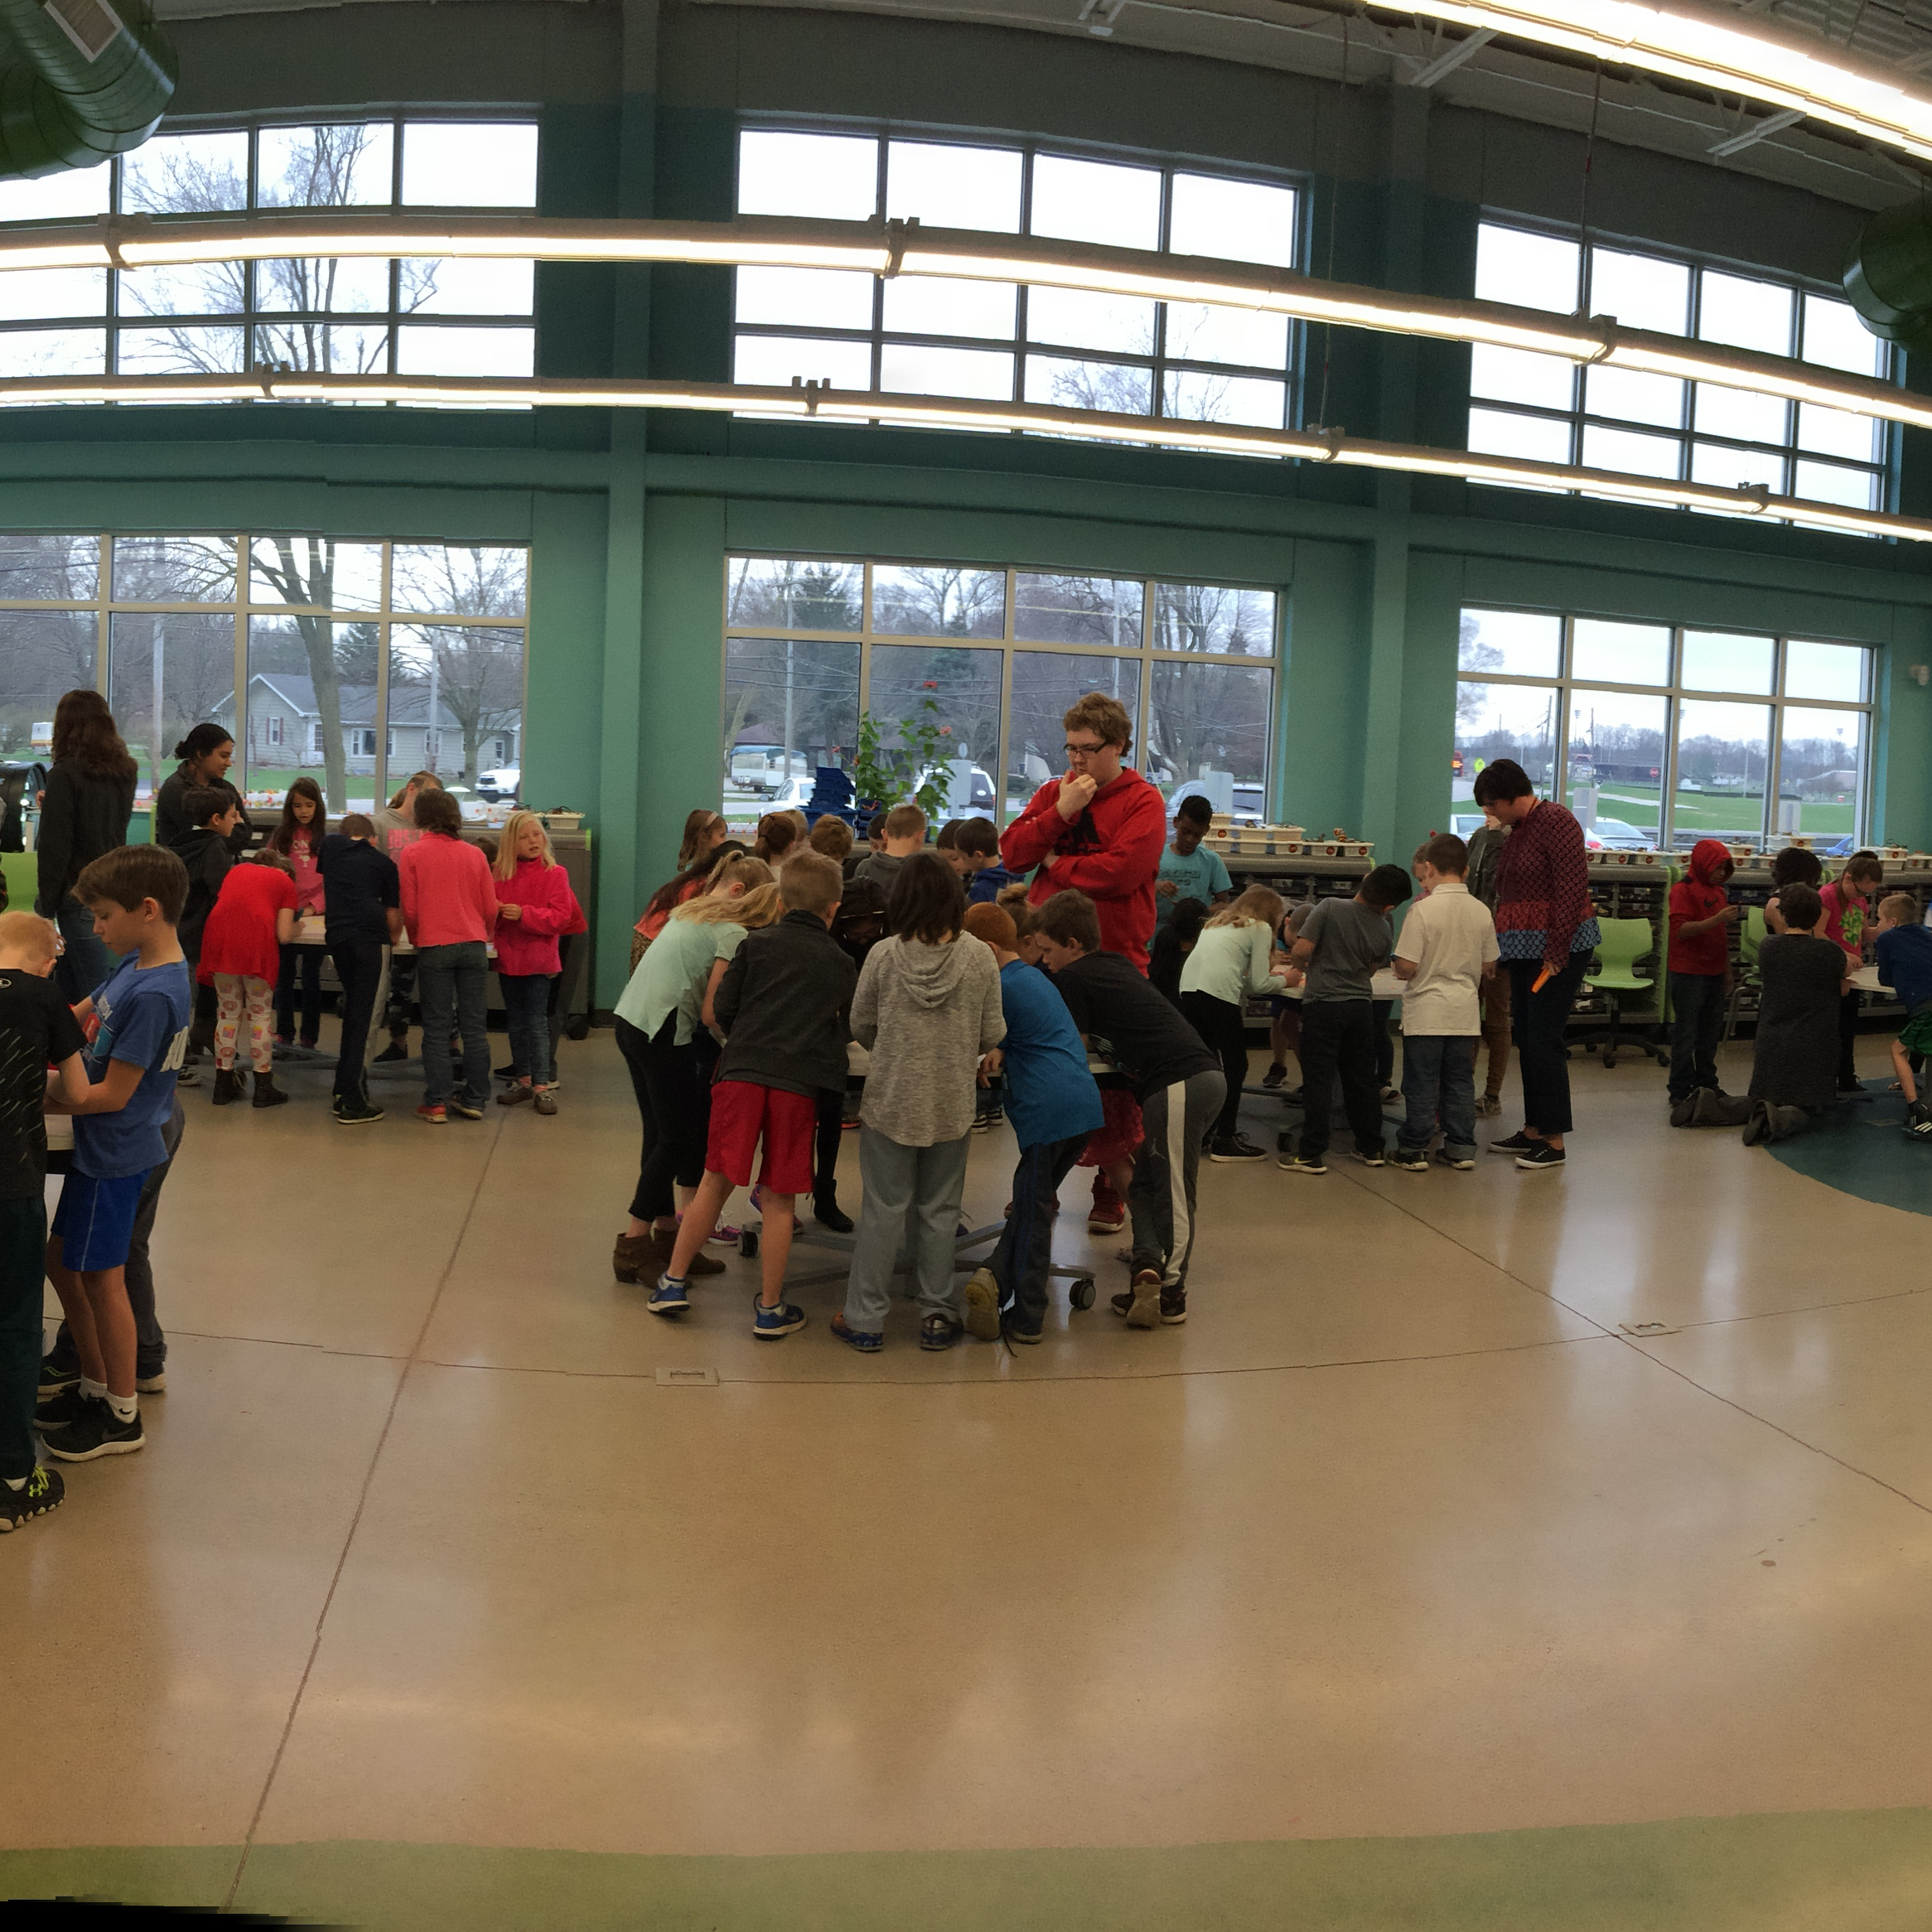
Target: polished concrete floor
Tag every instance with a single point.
(1493, 1550)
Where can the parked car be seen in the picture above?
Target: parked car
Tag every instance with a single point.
(1614, 835)
(499, 784)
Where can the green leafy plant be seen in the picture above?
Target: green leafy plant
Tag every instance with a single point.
(886, 774)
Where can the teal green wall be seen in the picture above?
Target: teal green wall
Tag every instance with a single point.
(629, 520)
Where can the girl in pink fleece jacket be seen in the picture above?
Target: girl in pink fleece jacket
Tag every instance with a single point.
(534, 904)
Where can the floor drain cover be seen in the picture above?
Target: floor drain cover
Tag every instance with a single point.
(688, 1378)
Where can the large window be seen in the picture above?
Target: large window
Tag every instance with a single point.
(1656, 735)
(414, 318)
(1551, 409)
(338, 645)
(811, 644)
(931, 335)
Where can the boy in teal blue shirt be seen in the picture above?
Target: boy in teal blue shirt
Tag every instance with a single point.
(1188, 870)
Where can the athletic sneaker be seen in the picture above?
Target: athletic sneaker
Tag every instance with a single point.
(1488, 1106)
(1108, 1214)
(97, 1432)
(1515, 1143)
(769, 1324)
(515, 1096)
(1410, 1160)
(1173, 1307)
(1461, 1162)
(356, 1113)
(669, 1297)
(55, 1381)
(868, 1341)
(1025, 1338)
(464, 1108)
(1122, 1302)
(1236, 1148)
(1390, 1095)
(434, 1113)
(1541, 1158)
(41, 1492)
(395, 1051)
(1301, 1163)
(1275, 1076)
(61, 1411)
(1850, 1083)
(982, 1306)
(1143, 1305)
(547, 1101)
(154, 1384)
(1918, 1121)
(938, 1331)
(1378, 1159)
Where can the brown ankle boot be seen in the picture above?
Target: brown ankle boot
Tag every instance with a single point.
(637, 1257)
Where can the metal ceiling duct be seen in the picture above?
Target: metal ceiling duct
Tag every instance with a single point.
(1888, 275)
(86, 79)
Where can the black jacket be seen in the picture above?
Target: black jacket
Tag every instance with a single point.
(205, 854)
(171, 825)
(83, 815)
(782, 1003)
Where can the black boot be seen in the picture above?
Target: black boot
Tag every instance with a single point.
(227, 1086)
(828, 1213)
(267, 1094)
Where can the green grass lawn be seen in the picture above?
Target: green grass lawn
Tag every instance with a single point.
(1637, 804)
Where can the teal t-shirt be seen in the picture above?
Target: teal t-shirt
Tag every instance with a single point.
(1199, 876)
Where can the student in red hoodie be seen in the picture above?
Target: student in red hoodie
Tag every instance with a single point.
(1100, 830)
(1701, 919)
(534, 903)
(449, 906)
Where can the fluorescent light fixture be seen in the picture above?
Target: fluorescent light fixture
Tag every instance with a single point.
(1716, 48)
(908, 249)
(806, 400)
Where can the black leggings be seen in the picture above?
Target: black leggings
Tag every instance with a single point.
(1220, 1024)
(674, 1100)
(825, 1149)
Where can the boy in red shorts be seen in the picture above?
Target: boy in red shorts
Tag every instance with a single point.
(782, 1004)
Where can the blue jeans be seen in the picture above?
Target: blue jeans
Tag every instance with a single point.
(1020, 1264)
(1438, 1078)
(453, 982)
(87, 962)
(526, 1014)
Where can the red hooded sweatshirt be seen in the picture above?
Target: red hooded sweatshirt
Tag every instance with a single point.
(1698, 897)
(1112, 853)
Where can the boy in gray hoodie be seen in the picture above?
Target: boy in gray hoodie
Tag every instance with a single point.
(927, 1008)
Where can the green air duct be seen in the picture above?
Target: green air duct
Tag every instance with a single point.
(1888, 275)
(84, 80)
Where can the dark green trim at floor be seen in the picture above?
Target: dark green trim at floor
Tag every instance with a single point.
(1816, 1871)
(1860, 1149)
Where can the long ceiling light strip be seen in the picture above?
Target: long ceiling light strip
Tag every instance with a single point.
(907, 248)
(805, 401)
(1711, 47)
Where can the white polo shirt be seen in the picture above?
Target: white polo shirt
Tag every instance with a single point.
(1449, 937)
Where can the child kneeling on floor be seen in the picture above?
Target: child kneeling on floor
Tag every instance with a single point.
(1803, 976)
(37, 1031)
(1054, 1105)
(1180, 1087)
(139, 1022)
(1447, 950)
(928, 1011)
(782, 1006)
(1905, 964)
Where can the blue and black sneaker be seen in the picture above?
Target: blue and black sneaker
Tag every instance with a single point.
(669, 1297)
(768, 1324)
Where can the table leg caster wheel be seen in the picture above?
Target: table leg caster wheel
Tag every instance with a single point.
(748, 1243)
(1081, 1293)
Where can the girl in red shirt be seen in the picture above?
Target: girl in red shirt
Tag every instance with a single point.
(298, 839)
(241, 953)
(534, 904)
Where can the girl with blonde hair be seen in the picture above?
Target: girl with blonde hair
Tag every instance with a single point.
(534, 905)
(1233, 962)
(663, 1019)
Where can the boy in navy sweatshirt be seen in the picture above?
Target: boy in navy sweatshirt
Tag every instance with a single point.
(1905, 964)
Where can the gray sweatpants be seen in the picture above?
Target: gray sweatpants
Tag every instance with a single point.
(1161, 1201)
(925, 1184)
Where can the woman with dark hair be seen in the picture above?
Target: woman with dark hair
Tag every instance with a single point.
(927, 1009)
(84, 813)
(205, 755)
(298, 839)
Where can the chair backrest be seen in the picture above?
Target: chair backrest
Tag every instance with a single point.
(1750, 935)
(1623, 941)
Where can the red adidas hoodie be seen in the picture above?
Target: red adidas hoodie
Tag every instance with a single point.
(1699, 897)
(1112, 853)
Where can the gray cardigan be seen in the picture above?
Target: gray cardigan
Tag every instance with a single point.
(926, 1013)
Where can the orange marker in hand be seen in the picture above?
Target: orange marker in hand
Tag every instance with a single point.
(1541, 981)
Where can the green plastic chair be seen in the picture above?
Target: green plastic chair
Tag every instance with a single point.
(1622, 943)
(1751, 934)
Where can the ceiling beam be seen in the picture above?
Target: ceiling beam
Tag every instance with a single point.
(1447, 63)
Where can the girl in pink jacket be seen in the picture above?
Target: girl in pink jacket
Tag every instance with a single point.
(534, 904)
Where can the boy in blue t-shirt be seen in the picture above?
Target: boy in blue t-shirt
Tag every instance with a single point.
(139, 1024)
(1905, 964)
(1188, 869)
(1054, 1106)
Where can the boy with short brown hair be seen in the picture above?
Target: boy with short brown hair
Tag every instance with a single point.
(904, 832)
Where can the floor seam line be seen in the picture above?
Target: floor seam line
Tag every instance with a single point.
(409, 1361)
